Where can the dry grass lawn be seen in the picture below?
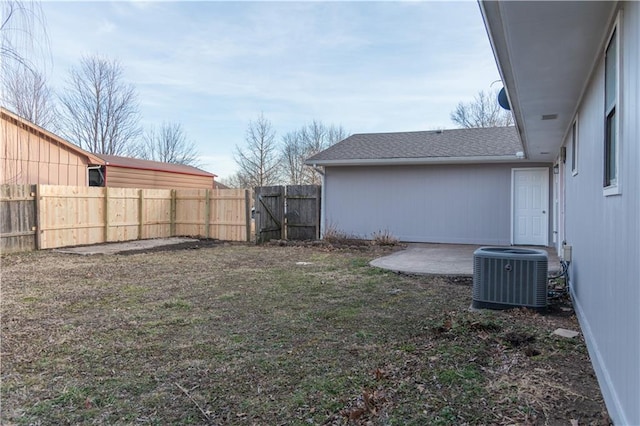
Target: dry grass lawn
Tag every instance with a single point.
(239, 334)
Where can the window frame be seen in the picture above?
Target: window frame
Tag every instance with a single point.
(611, 115)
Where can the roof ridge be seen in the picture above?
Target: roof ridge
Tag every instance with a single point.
(461, 144)
(436, 131)
(132, 162)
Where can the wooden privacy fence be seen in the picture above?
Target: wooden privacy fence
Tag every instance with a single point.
(287, 212)
(46, 216)
(17, 217)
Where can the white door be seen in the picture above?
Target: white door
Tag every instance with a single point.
(530, 198)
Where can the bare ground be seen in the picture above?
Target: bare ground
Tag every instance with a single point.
(213, 333)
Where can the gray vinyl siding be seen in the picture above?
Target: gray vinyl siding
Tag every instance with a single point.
(605, 233)
(461, 204)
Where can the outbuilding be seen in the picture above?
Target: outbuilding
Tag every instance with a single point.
(32, 155)
(464, 186)
(125, 172)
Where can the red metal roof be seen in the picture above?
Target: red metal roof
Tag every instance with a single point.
(135, 163)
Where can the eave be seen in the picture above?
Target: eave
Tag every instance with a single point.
(415, 161)
(546, 52)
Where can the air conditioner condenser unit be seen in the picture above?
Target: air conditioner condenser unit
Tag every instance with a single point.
(509, 277)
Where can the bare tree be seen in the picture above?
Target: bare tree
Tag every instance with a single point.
(26, 92)
(293, 157)
(23, 46)
(24, 49)
(258, 161)
(23, 36)
(301, 144)
(317, 138)
(99, 110)
(237, 180)
(168, 144)
(483, 111)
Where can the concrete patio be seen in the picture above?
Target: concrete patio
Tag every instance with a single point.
(442, 259)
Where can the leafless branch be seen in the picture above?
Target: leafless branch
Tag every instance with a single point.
(23, 35)
(26, 93)
(99, 110)
(483, 111)
(258, 161)
(301, 144)
(204, 413)
(168, 144)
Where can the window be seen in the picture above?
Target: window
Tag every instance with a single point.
(574, 148)
(96, 178)
(611, 114)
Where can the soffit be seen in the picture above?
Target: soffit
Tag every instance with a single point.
(546, 52)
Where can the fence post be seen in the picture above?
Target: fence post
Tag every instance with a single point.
(207, 213)
(285, 221)
(172, 214)
(37, 208)
(141, 215)
(318, 211)
(106, 214)
(247, 213)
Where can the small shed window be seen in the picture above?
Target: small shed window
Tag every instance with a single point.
(96, 178)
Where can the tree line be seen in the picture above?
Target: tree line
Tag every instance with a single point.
(96, 109)
(265, 161)
(99, 111)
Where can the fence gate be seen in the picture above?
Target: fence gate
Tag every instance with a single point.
(269, 214)
(18, 218)
(291, 212)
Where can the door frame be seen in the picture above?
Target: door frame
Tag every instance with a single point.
(559, 197)
(546, 200)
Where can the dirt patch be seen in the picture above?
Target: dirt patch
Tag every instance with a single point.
(119, 247)
(188, 245)
(215, 333)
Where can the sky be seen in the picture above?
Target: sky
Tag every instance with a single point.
(216, 66)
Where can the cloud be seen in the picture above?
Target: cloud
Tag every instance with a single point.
(213, 66)
(106, 28)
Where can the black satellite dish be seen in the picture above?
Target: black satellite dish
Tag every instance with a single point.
(502, 99)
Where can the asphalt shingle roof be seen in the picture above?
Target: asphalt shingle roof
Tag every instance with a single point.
(455, 143)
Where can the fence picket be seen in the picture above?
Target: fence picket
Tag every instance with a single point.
(47, 216)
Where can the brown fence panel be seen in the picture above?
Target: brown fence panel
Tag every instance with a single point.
(303, 212)
(269, 213)
(18, 219)
(291, 212)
